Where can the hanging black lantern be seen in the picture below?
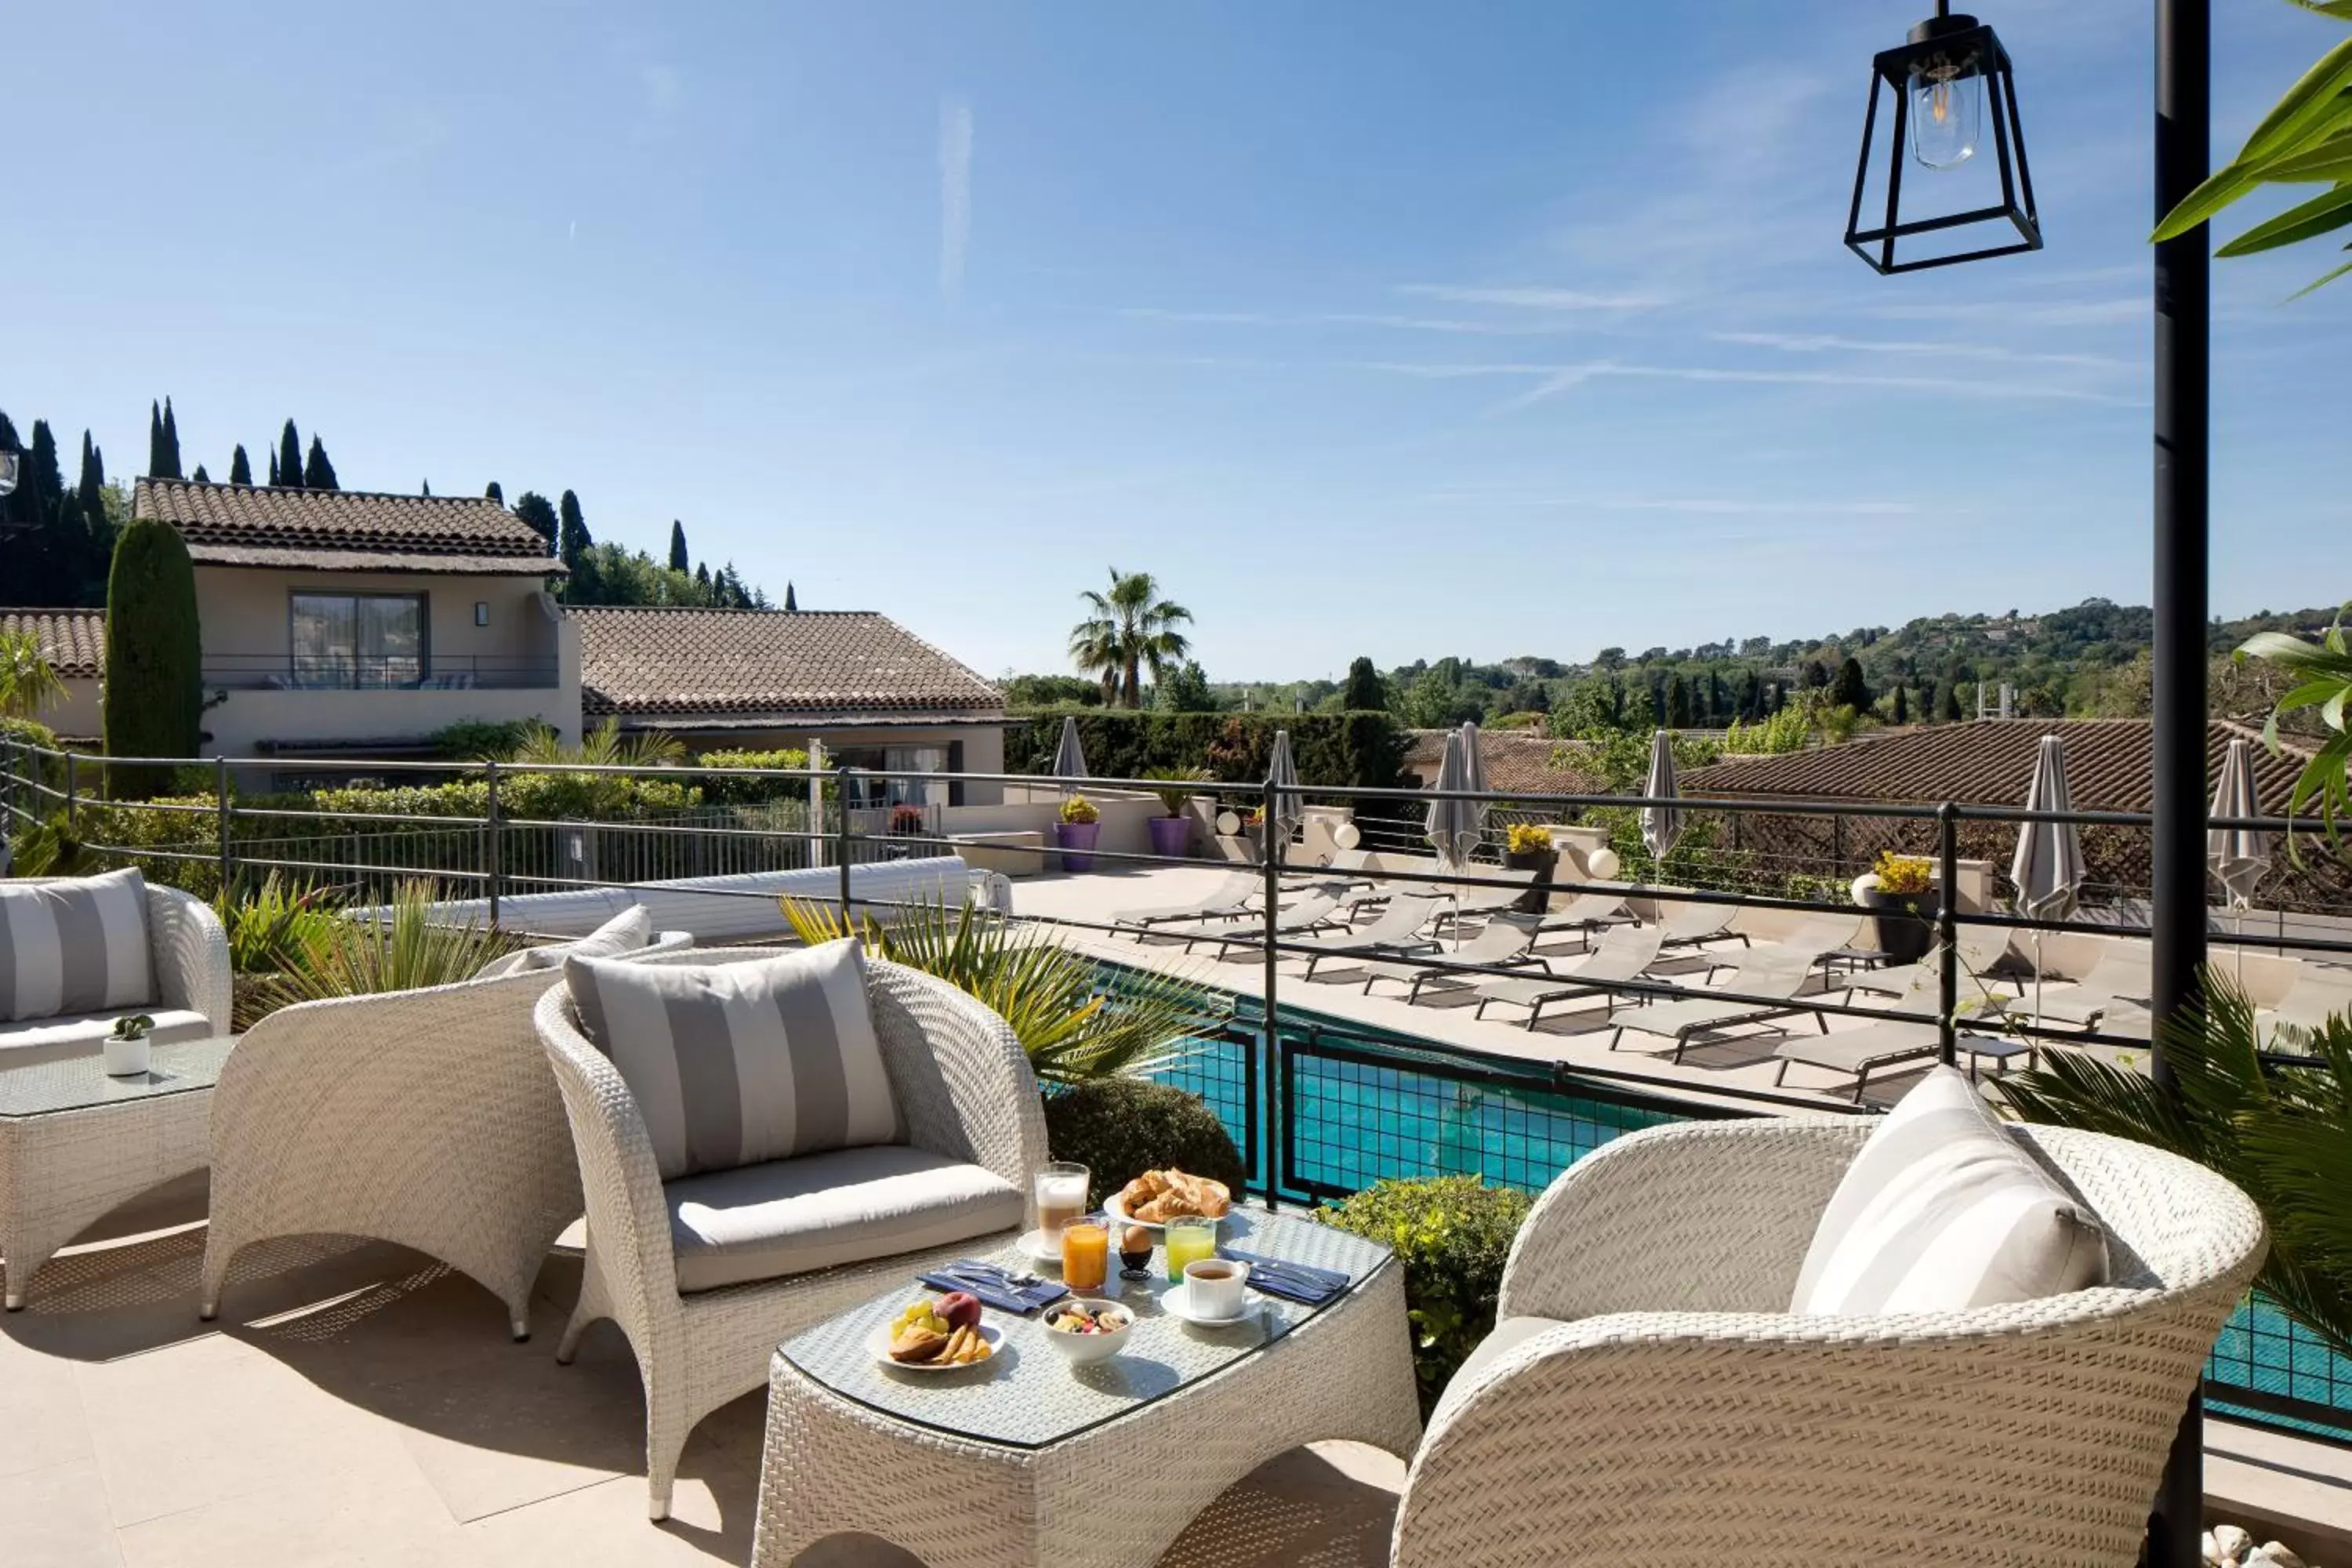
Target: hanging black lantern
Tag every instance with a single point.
(1952, 85)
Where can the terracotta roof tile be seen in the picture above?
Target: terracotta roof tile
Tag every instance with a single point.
(687, 663)
(75, 640)
(2109, 765)
(218, 521)
(1517, 762)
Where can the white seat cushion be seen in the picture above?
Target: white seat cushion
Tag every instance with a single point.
(1943, 1210)
(83, 1034)
(820, 1211)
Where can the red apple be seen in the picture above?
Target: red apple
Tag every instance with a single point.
(961, 1308)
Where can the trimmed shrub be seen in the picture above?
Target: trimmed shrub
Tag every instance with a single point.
(1453, 1234)
(723, 791)
(1120, 1127)
(1362, 750)
(153, 694)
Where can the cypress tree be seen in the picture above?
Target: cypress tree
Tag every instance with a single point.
(537, 510)
(791, 600)
(702, 581)
(290, 457)
(492, 492)
(154, 440)
(277, 475)
(1678, 704)
(317, 473)
(427, 489)
(1902, 706)
(1363, 691)
(240, 466)
(1952, 714)
(153, 693)
(171, 470)
(571, 540)
(678, 558)
(200, 476)
(93, 483)
(1849, 689)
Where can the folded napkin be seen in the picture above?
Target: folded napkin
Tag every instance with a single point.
(994, 1287)
(1300, 1282)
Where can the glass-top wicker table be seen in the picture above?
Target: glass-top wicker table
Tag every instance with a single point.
(1027, 1461)
(76, 1144)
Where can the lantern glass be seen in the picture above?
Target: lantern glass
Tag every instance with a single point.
(1946, 114)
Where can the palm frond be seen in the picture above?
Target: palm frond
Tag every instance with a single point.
(1072, 1027)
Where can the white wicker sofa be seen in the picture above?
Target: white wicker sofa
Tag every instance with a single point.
(1674, 1411)
(963, 1087)
(188, 952)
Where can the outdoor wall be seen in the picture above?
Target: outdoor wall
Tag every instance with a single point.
(245, 614)
(288, 718)
(983, 745)
(77, 716)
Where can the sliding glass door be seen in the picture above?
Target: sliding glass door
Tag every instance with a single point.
(348, 640)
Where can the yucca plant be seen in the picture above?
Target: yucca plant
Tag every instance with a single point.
(2282, 1133)
(1072, 1027)
(270, 930)
(407, 951)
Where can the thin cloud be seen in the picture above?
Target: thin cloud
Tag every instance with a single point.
(1707, 506)
(1552, 380)
(2072, 313)
(1826, 342)
(1530, 298)
(955, 194)
(1522, 329)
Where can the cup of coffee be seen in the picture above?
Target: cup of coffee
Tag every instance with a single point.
(1216, 1286)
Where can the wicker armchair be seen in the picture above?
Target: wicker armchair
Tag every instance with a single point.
(1679, 1414)
(963, 1085)
(189, 952)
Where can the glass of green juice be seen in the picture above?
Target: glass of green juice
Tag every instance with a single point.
(1187, 1240)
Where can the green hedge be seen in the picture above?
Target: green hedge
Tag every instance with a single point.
(1120, 1127)
(1361, 750)
(1453, 1234)
(752, 791)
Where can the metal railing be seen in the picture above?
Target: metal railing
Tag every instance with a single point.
(1279, 1059)
(377, 672)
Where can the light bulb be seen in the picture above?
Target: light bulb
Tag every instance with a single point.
(1946, 113)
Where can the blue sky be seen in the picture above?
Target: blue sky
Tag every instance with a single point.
(1401, 330)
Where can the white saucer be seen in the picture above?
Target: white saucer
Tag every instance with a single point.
(1039, 1248)
(1179, 1303)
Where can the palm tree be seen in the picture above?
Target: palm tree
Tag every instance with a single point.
(1126, 631)
(28, 681)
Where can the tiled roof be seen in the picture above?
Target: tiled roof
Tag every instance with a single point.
(75, 640)
(1517, 762)
(2110, 765)
(261, 525)
(684, 664)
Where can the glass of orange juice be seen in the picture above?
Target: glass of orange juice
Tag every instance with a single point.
(1188, 1240)
(1086, 1253)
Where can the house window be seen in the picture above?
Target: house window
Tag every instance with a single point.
(868, 792)
(347, 640)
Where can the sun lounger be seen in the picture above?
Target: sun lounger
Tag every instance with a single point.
(1981, 949)
(1586, 910)
(2120, 974)
(1502, 944)
(2317, 994)
(1485, 900)
(1619, 957)
(1226, 900)
(1396, 931)
(1861, 1051)
(1767, 977)
(1319, 908)
(1689, 925)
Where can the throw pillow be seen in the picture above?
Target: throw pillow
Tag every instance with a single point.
(627, 931)
(1942, 1211)
(77, 944)
(734, 1064)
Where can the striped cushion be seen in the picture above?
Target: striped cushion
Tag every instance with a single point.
(1943, 1210)
(625, 932)
(75, 946)
(733, 1064)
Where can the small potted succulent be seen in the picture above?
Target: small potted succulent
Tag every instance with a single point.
(128, 1051)
(1171, 835)
(1898, 890)
(1075, 833)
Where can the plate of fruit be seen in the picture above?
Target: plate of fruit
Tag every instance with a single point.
(943, 1334)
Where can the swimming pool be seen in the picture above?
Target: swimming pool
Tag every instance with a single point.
(1333, 1107)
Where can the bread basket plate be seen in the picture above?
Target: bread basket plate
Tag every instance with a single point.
(1116, 1207)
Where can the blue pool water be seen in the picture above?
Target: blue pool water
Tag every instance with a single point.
(1357, 1108)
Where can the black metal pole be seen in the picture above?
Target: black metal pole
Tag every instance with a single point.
(2184, 31)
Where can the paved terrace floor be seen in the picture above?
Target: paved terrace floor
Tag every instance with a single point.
(1574, 1033)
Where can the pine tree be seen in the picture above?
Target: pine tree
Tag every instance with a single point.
(240, 466)
(492, 492)
(678, 558)
(170, 445)
(290, 457)
(571, 536)
(318, 472)
(1363, 691)
(540, 513)
(791, 600)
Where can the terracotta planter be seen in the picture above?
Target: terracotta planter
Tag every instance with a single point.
(1076, 841)
(1171, 837)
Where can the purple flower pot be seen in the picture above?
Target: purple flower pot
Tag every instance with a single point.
(1076, 841)
(1171, 837)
